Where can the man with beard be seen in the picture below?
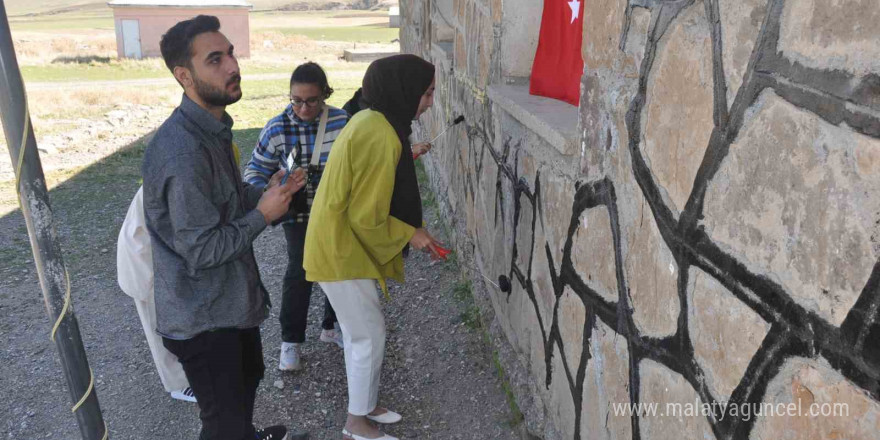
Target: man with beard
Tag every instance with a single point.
(202, 221)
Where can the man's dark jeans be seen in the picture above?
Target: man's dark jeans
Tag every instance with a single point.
(224, 368)
(296, 292)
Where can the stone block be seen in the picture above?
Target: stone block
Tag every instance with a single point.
(556, 199)
(572, 318)
(593, 252)
(832, 35)
(497, 11)
(540, 275)
(796, 199)
(603, 27)
(487, 233)
(560, 407)
(521, 23)
(522, 318)
(472, 213)
(607, 89)
(741, 22)
(503, 222)
(810, 400)
(487, 42)
(604, 135)
(679, 105)
(636, 40)
(596, 135)
(606, 384)
(460, 52)
(536, 360)
(724, 331)
(685, 418)
(524, 233)
(651, 273)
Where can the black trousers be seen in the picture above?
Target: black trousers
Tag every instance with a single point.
(224, 368)
(296, 292)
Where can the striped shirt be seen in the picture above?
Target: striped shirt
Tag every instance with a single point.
(284, 134)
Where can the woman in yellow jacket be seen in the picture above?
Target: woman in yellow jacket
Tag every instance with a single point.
(366, 211)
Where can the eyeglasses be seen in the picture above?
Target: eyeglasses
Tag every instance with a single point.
(311, 102)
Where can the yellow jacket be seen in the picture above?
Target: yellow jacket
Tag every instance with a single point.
(350, 234)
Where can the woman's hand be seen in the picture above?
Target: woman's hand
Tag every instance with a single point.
(421, 148)
(422, 240)
(275, 180)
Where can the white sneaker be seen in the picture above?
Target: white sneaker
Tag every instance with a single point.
(185, 394)
(333, 336)
(290, 359)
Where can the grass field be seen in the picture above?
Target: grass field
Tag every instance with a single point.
(66, 51)
(50, 7)
(80, 45)
(360, 34)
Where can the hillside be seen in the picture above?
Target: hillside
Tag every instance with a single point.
(52, 7)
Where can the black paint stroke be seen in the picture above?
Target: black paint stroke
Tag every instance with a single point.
(794, 331)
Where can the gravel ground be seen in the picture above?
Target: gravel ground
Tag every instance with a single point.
(438, 372)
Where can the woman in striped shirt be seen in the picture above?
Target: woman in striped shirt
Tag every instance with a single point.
(288, 141)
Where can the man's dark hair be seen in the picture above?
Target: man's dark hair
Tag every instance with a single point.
(312, 73)
(176, 44)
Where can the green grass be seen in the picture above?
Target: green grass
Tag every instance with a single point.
(20, 7)
(471, 316)
(62, 22)
(516, 416)
(100, 70)
(350, 34)
(428, 199)
(112, 69)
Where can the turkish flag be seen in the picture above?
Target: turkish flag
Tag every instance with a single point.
(558, 65)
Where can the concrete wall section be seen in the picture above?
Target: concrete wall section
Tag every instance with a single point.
(702, 232)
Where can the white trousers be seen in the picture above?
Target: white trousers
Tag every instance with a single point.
(170, 371)
(357, 307)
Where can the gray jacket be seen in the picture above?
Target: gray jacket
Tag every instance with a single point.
(202, 221)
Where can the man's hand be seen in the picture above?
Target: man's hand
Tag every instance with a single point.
(422, 240)
(275, 202)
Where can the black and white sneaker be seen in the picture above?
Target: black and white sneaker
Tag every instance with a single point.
(272, 433)
(185, 394)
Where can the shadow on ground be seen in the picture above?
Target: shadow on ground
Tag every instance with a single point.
(438, 373)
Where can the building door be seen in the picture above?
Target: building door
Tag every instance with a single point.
(131, 39)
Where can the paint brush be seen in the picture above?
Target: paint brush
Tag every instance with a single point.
(503, 282)
(457, 121)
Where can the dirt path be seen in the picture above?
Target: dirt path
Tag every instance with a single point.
(438, 372)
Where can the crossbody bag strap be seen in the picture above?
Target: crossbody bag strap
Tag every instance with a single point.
(319, 140)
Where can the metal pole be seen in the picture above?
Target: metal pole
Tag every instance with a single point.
(34, 202)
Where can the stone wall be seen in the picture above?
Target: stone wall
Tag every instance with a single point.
(701, 229)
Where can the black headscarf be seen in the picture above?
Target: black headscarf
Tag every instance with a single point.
(394, 87)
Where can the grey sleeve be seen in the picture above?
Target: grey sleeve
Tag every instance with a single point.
(252, 195)
(198, 235)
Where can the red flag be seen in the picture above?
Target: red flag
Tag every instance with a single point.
(558, 65)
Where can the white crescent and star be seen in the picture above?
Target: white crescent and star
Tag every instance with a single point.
(575, 6)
